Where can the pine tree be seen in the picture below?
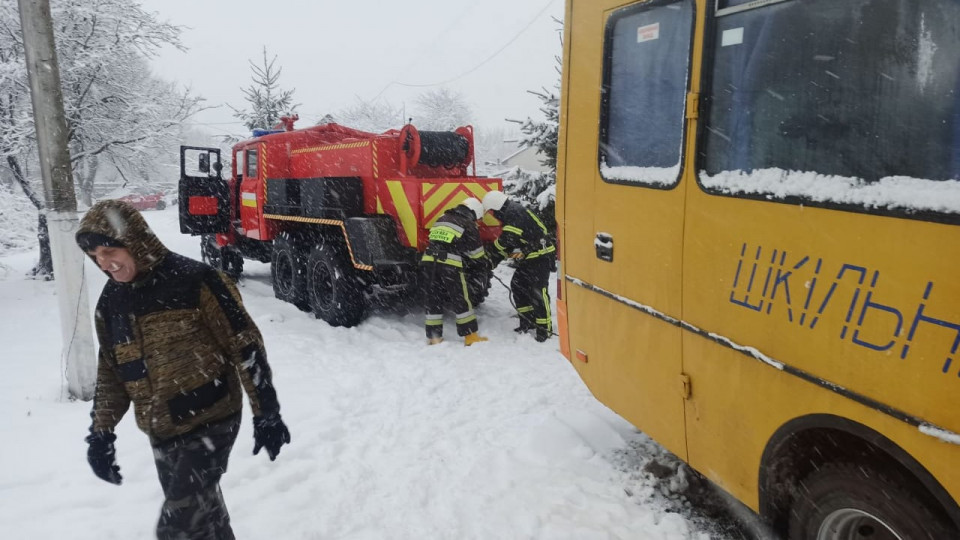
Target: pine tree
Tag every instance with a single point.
(537, 191)
(267, 101)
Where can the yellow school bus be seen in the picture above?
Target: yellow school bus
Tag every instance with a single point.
(758, 208)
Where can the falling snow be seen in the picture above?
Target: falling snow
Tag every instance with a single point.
(391, 438)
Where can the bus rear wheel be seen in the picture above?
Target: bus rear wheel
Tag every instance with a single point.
(843, 501)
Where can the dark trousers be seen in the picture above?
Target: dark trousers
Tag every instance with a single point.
(530, 294)
(446, 289)
(190, 468)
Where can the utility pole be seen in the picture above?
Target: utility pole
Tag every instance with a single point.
(61, 201)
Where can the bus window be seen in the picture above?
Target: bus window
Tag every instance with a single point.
(645, 78)
(871, 96)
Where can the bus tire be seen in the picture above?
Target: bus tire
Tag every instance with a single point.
(335, 293)
(846, 501)
(288, 270)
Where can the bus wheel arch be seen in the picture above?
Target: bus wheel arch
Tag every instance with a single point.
(804, 446)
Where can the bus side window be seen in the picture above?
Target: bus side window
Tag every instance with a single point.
(646, 61)
(855, 105)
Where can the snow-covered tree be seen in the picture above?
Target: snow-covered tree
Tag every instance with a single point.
(372, 116)
(267, 101)
(537, 190)
(441, 110)
(117, 111)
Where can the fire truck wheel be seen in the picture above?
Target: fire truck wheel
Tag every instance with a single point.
(335, 291)
(845, 501)
(287, 270)
(231, 262)
(226, 259)
(209, 250)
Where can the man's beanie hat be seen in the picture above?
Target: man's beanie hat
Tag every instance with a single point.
(89, 241)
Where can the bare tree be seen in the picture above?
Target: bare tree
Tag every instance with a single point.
(372, 116)
(442, 110)
(117, 111)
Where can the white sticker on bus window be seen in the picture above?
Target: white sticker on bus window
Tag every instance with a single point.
(733, 36)
(648, 32)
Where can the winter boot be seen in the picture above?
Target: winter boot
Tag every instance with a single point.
(434, 340)
(524, 326)
(470, 339)
(543, 334)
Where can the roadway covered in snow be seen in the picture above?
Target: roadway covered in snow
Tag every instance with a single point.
(391, 438)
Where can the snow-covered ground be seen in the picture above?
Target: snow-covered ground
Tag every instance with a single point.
(392, 439)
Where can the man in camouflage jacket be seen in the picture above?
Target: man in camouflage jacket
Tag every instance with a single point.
(176, 341)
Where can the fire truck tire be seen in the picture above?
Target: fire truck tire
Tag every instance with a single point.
(209, 250)
(226, 259)
(335, 292)
(288, 270)
(857, 501)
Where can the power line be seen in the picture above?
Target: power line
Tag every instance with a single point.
(482, 63)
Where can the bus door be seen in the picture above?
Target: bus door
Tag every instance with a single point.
(623, 206)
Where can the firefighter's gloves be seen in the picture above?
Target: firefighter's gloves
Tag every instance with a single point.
(102, 456)
(516, 255)
(270, 433)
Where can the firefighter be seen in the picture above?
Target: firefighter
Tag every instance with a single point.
(453, 250)
(526, 240)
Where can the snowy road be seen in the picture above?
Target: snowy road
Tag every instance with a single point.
(391, 439)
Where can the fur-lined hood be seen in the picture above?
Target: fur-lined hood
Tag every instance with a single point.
(122, 223)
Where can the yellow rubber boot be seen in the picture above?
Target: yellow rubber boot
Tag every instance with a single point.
(470, 339)
(434, 340)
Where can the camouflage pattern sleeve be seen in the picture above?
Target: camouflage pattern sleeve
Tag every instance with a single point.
(110, 401)
(222, 310)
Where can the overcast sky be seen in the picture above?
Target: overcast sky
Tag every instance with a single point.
(334, 52)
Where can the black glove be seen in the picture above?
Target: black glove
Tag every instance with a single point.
(102, 456)
(271, 433)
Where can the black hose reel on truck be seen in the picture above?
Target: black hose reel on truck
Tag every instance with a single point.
(446, 149)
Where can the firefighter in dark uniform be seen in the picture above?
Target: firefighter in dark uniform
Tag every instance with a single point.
(526, 240)
(453, 251)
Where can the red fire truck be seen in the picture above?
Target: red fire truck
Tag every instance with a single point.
(341, 215)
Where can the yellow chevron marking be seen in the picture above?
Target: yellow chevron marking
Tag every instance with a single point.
(331, 147)
(430, 205)
(478, 190)
(379, 205)
(322, 221)
(404, 210)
